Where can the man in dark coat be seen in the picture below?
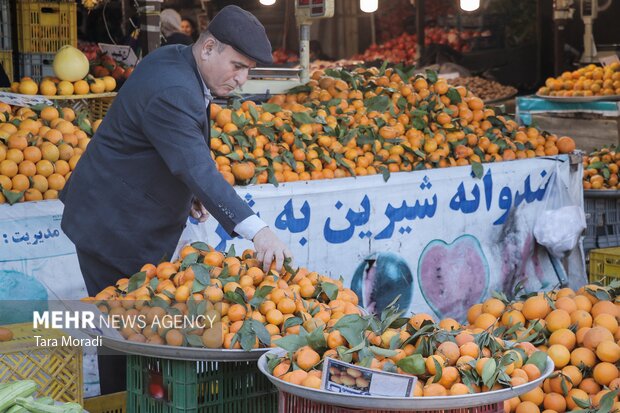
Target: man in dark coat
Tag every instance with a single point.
(128, 199)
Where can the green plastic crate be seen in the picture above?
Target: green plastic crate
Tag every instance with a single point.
(197, 387)
(605, 265)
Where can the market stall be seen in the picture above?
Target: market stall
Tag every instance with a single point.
(441, 247)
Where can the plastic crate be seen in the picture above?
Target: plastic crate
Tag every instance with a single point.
(602, 209)
(5, 26)
(44, 27)
(56, 369)
(605, 265)
(6, 60)
(36, 65)
(109, 403)
(289, 403)
(198, 387)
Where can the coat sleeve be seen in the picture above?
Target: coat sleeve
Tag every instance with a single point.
(173, 124)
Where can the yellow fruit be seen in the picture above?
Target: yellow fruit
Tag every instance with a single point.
(47, 88)
(110, 83)
(65, 88)
(81, 87)
(70, 64)
(28, 87)
(559, 354)
(97, 86)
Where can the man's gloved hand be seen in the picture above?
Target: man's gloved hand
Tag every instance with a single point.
(268, 246)
(198, 211)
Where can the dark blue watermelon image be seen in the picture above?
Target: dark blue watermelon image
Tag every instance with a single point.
(379, 279)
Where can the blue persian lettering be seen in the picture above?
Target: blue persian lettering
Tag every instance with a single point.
(355, 219)
(418, 210)
(460, 202)
(286, 219)
(37, 238)
(224, 238)
(506, 199)
(488, 188)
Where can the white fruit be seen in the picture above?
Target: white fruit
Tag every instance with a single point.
(70, 64)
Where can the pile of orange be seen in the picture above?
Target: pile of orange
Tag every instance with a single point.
(38, 151)
(600, 169)
(448, 359)
(577, 329)
(51, 86)
(367, 122)
(591, 80)
(244, 306)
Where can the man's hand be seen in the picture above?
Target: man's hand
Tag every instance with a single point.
(198, 211)
(268, 246)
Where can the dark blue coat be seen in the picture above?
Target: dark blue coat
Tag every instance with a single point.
(129, 197)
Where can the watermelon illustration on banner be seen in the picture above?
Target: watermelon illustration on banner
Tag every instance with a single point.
(453, 276)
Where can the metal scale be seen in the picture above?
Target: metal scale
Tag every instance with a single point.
(274, 80)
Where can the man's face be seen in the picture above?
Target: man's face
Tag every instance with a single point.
(223, 71)
(186, 28)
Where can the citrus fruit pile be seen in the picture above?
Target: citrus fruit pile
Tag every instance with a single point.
(448, 359)
(591, 80)
(578, 330)
(600, 169)
(38, 150)
(233, 302)
(366, 122)
(52, 86)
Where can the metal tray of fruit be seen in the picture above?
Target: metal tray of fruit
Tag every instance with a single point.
(579, 99)
(181, 353)
(400, 403)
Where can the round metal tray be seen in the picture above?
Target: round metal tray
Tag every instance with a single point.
(401, 403)
(181, 353)
(578, 99)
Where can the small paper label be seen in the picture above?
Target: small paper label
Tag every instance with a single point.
(122, 54)
(341, 377)
(16, 99)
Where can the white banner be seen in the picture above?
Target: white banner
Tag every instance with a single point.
(441, 239)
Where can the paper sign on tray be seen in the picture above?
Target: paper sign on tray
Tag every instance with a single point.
(341, 377)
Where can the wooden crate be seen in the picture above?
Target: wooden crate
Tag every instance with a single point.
(57, 369)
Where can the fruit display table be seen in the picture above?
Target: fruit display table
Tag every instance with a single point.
(442, 239)
(591, 124)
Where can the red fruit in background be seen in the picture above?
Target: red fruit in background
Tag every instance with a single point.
(128, 72)
(156, 390)
(100, 71)
(118, 73)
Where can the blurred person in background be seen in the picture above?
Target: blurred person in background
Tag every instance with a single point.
(189, 28)
(170, 23)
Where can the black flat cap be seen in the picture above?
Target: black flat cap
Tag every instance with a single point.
(243, 32)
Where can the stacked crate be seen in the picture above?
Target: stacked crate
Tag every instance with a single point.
(6, 52)
(43, 28)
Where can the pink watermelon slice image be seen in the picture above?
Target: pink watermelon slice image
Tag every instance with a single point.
(453, 277)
